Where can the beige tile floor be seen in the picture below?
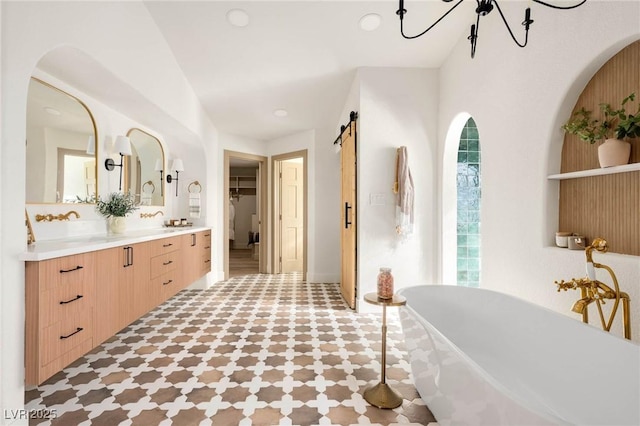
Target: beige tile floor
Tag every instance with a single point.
(253, 350)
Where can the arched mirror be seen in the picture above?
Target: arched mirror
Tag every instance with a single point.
(61, 147)
(143, 170)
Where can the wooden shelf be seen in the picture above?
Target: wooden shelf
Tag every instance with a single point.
(596, 172)
(242, 182)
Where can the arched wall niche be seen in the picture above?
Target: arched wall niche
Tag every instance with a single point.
(603, 206)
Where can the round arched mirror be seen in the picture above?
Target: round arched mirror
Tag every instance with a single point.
(144, 169)
(61, 147)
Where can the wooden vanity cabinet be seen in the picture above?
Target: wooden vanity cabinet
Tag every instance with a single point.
(59, 318)
(74, 303)
(196, 254)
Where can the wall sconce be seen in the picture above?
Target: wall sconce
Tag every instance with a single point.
(91, 145)
(177, 167)
(160, 168)
(122, 145)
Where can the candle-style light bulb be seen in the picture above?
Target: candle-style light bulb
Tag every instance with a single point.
(527, 18)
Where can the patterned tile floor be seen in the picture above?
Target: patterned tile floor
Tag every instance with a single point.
(253, 350)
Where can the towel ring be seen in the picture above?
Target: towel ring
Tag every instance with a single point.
(195, 183)
(153, 187)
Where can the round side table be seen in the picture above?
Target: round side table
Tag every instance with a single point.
(382, 395)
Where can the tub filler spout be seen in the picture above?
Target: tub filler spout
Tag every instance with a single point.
(593, 290)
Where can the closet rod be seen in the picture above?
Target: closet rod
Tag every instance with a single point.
(353, 116)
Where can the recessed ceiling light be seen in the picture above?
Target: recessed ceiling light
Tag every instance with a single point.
(370, 21)
(280, 113)
(52, 111)
(238, 18)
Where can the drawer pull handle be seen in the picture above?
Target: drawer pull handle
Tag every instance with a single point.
(207, 261)
(168, 263)
(207, 235)
(167, 245)
(78, 297)
(207, 247)
(168, 282)
(64, 271)
(78, 330)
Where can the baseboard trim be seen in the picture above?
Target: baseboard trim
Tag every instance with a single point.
(323, 278)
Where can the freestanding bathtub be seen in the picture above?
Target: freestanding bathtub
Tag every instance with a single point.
(483, 357)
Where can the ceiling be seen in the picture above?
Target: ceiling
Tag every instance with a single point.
(300, 56)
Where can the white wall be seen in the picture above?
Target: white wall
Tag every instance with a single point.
(116, 35)
(397, 107)
(519, 98)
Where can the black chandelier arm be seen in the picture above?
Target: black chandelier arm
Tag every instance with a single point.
(527, 21)
(553, 6)
(401, 11)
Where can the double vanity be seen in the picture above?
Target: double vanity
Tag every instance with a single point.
(80, 292)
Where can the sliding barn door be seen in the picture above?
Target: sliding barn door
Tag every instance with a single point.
(348, 223)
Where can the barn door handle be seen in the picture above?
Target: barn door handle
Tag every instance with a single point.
(347, 207)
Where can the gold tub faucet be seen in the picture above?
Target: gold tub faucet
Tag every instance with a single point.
(593, 290)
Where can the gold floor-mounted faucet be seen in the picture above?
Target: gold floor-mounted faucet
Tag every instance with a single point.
(592, 290)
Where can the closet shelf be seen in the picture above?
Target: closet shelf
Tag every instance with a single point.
(596, 172)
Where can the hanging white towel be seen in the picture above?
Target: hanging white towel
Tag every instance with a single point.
(194, 204)
(404, 190)
(145, 199)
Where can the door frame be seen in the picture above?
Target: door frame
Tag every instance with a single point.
(275, 196)
(262, 228)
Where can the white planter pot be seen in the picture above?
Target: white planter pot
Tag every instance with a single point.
(614, 152)
(117, 224)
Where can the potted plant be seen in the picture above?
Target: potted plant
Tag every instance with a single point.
(616, 125)
(116, 206)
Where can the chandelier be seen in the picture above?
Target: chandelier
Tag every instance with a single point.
(483, 9)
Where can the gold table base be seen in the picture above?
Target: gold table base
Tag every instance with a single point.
(383, 396)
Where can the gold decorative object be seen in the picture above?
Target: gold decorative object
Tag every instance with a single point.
(382, 395)
(592, 290)
(51, 217)
(31, 237)
(147, 215)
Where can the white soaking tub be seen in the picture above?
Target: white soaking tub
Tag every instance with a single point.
(483, 357)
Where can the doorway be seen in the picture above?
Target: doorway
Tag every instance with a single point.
(245, 186)
(290, 212)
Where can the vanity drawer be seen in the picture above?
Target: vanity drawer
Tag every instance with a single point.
(165, 245)
(164, 263)
(206, 238)
(168, 283)
(65, 335)
(68, 270)
(205, 263)
(67, 300)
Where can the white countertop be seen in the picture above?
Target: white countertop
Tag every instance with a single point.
(43, 250)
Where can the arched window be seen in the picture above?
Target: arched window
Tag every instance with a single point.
(468, 184)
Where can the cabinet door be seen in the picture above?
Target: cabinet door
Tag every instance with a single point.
(191, 257)
(144, 296)
(114, 291)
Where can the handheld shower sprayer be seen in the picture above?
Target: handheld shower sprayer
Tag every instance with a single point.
(592, 290)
